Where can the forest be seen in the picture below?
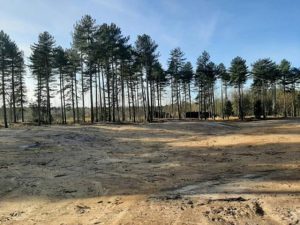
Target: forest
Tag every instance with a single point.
(102, 77)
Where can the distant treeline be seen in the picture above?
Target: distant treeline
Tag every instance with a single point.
(127, 82)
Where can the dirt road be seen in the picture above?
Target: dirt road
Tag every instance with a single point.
(162, 173)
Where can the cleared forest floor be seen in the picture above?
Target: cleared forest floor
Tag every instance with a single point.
(161, 173)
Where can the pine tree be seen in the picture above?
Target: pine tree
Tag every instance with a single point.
(4, 66)
(42, 59)
(205, 78)
(145, 48)
(61, 63)
(264, 71)
(187, 77)
(20, 84)
(73, 61)
(83, 39)
(224, 76)
(285, 71)
(13, 55)
(176, 63)
(293, 80)
(238, 76)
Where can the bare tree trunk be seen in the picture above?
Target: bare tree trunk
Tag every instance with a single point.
(21, 89)
(160, 100)
(39, 98)
(123, 93)
(274, 100)
(113, 94)
(178, 99)
(172, 97)
(199, 101)
(128, 97)
(143, 98)
(213, 102)
(64, 100)
(3, 98)
(117, 99)
(100, 94)
(132, 97)
(284, 101)
(241, 114)
(104, 98)
(148, 101)
(294, 99)
(190, 98)
(48, 94)
(91, 93)
(82, 89)
(73, 99)
(96, 97)
(76, 96)
(48, 103)
(61, 98)
(222, 101)
(13, 92)
(108, 92)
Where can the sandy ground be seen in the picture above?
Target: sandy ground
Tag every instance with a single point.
(162, 173)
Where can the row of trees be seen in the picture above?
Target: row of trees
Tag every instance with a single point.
(120, 81)
(12, 70)
(114, 74)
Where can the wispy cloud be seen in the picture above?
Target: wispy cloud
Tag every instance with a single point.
(118, 6)
(206, 30)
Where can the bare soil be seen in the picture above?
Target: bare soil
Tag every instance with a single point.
(162, 173)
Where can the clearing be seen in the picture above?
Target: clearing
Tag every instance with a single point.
(161, 173)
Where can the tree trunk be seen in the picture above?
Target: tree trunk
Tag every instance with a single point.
(21, 89)
(73, 99)
(13, 92)
(91, 94)
(241, 115)
(96, 97)
(108, 91)
(76, 96)
(172, 97)
(82, 89)
(61, 96)
(104, 98)
(178, 99)
(48, 92)
(199, 102)
(48, 102)
(284, 101)
(123, 93)
(128, 97)
(274, 100)
(39, 98)
(3, 98)
(222, 101)
(143, 97)
(190, 98)
(100, 94)
(148, 101)
(132, 98)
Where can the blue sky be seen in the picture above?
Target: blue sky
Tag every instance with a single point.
(225, 28)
